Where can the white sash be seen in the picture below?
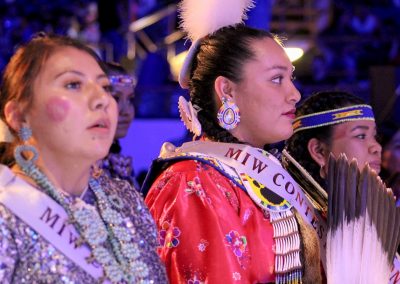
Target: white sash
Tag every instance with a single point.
(246, 159)
(46, 217)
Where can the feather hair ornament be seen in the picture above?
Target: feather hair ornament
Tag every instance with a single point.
(203, 17)
(188, 113)
(200, 18)
(363, 225)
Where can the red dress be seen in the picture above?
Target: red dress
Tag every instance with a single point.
(209, 230)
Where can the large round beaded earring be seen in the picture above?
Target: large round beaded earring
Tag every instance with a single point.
(26, 161)
(228, 114)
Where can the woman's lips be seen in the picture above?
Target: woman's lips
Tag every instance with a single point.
(375, 166)
(291, 113)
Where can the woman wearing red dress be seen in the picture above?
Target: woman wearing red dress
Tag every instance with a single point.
(218, 201)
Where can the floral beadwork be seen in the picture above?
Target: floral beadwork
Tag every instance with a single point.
(168, 236)
(194, 187)
(194, 281)
(236, 276)
(236, 242)
(202, 245)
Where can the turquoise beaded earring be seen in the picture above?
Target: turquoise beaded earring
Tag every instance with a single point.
(24, 134)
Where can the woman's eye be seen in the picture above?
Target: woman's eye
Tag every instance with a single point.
(108, 88)
(277, 80)
(73, 85)
(361, 136)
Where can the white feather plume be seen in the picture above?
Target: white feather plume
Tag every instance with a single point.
(203, 17)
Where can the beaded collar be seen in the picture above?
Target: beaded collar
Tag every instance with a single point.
(122, 262)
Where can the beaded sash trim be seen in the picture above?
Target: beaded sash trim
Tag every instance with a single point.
(329, 117)
(288, 267)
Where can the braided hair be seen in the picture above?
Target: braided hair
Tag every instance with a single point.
(223, 53)
(297, 144)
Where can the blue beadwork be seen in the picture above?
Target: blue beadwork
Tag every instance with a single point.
(25, 133)
(21, 160)
(120, 264)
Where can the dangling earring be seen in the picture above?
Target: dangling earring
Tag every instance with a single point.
(228, 114)
(322, 172)
(24, 134)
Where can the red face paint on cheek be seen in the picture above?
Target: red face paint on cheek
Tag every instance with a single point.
(57, 109)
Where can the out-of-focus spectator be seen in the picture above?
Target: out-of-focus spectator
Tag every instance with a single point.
(117, 165)
(363, 21)
(90, 31)
(390, 136)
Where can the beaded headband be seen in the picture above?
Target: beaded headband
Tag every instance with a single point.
(122, 80)
(335, 116)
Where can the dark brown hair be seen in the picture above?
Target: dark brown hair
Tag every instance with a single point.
(222, 53)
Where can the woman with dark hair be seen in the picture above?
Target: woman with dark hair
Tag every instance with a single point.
(60, 219)
(216, 201)
(353, 133)
(338, 123)
(117, 165)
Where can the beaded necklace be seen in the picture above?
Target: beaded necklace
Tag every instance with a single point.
(123, 263)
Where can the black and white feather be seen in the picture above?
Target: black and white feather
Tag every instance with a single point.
(363, 225)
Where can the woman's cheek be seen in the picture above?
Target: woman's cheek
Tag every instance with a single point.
(57, 109)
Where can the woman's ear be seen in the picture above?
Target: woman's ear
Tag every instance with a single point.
(318, 151)
(13, 115)
(223, 87)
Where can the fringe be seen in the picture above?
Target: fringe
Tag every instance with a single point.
(288, 267)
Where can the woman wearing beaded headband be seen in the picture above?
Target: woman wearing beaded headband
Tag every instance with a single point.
(60, 220)
(218, 220)
(334, 122)
(116, 164)
(338, 123)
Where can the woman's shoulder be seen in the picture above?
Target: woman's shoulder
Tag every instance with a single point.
(190, 176)
(189, 169)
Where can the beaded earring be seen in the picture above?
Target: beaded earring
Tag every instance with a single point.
(228, 114)
(24, 134)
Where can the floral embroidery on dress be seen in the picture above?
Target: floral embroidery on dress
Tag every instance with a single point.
(168, 235)
(229, 195)
(236, 276)
(236, 242)
(195, 281)
(194, 187)
(202, 245)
